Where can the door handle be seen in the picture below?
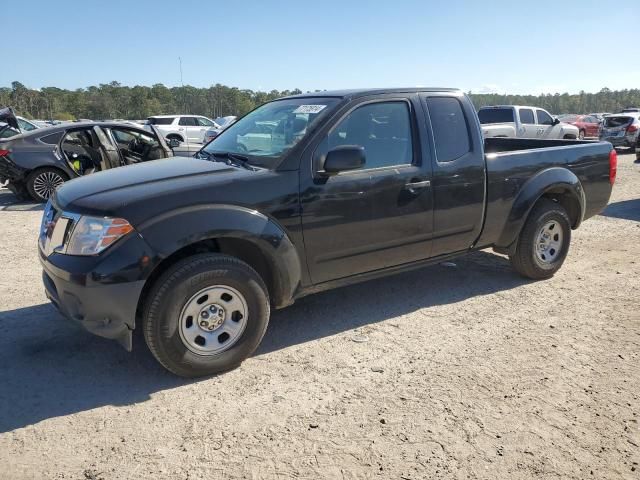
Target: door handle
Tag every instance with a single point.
(422, 184)
(414, 187)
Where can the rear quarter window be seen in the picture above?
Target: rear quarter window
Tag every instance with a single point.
(52, 139)
(450, 128)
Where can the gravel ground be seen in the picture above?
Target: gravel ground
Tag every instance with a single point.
(461, 371)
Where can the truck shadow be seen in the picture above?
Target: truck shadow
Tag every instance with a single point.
(51, 368)
(626, 210)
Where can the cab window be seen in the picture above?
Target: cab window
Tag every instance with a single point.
(526, 116)
(450, 128)
(544, 118)
(383, 129)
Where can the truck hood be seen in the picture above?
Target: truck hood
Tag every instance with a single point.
(108, 193)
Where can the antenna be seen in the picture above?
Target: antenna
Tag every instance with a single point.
(184, 103)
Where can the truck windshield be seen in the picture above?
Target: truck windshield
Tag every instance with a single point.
(264, 135)
(496, 115)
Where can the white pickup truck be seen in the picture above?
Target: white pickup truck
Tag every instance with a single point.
(523, 122)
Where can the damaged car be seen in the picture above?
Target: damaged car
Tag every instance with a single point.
(35, 163)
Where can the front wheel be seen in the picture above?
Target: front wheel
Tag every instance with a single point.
(42, 183)
(205, 315)
(544, 241)
(581, 135)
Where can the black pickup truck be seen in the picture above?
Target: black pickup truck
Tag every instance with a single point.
(304, 194)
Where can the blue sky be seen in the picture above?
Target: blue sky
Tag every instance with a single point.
(503, 46)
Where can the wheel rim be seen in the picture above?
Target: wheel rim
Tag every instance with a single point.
(213, 320)
(549, 242)
(581, 135)
(46, 183)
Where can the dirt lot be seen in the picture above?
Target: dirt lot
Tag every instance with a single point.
(464, 371)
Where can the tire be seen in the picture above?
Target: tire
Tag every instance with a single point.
(530, 259)
(42, 183)
(189, 349)
(581, 135)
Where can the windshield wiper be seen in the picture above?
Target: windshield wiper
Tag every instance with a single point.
(236, 159)
(201, 154)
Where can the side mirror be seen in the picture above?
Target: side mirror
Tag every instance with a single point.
(174, 142)
(555, 121)
(345, 157)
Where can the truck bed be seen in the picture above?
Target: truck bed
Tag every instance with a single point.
(513, 162)
(501, 144)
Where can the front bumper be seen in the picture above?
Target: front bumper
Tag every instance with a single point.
(99, 293)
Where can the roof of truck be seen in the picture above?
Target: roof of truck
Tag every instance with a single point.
(362, 92)
(510, 106)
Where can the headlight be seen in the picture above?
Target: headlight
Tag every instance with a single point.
(91, 235)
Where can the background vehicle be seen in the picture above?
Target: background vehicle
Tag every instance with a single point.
(523, 122)
(588, 125)
(631, 110)
(351, 186)
(24, 125)
(184, 128)
(38, 162)
(223, 123)
(621, 130)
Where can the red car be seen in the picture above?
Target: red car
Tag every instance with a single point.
(588, 125)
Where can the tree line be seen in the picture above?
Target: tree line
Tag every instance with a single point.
(116, 101)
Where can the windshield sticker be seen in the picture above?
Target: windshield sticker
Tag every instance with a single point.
(309, 109)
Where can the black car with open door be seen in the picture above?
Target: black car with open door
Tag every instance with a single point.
(36, 163)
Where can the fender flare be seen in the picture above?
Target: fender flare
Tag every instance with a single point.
(555, 180)
(176, 229)
(174, 134)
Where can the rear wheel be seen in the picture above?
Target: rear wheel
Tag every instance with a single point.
(544, 241)
(42, 183)
(205, 315)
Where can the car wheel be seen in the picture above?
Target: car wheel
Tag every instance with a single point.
(544, 241)
(205, 315)
(581, 135)
(42, 183)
